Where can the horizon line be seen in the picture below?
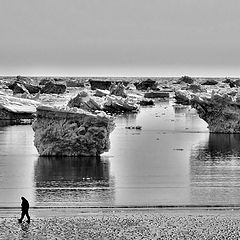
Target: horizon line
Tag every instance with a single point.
(119, 76)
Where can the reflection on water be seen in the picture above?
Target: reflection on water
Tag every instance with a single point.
(223, 146)
(79, 180)
(17, 157)
(215, 170)
(71, 171)
(126, 119)
(4, 123)
(147, 165)
(181, 109)
(173, 160)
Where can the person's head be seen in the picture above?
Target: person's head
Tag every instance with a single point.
(22, 198)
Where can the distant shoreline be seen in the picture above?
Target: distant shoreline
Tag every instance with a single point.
(161, 80)
(116, 77)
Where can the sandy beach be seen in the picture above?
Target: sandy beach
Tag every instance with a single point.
(144, 223)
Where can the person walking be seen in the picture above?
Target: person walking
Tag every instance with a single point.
(25, 208)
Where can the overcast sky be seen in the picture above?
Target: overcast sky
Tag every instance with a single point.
(120, 37)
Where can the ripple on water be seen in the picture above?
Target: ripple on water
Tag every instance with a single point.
(172, 160)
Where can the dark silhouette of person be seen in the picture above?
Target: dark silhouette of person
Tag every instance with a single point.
(25, 207)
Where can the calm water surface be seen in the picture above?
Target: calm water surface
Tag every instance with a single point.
(173, 160)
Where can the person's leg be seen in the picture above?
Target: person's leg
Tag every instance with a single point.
(28, 217)
(22, 216)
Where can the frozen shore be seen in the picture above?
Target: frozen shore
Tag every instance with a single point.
(124, 224)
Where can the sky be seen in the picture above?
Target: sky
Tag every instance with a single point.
(120, 37)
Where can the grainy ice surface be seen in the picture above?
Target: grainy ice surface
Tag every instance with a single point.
(125, 225)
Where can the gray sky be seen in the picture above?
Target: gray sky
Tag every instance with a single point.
(120, 37)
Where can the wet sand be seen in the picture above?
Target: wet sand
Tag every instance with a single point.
(147, 223)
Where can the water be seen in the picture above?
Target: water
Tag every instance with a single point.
(173, 160)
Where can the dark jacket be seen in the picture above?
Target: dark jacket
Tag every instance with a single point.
(25, 204)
